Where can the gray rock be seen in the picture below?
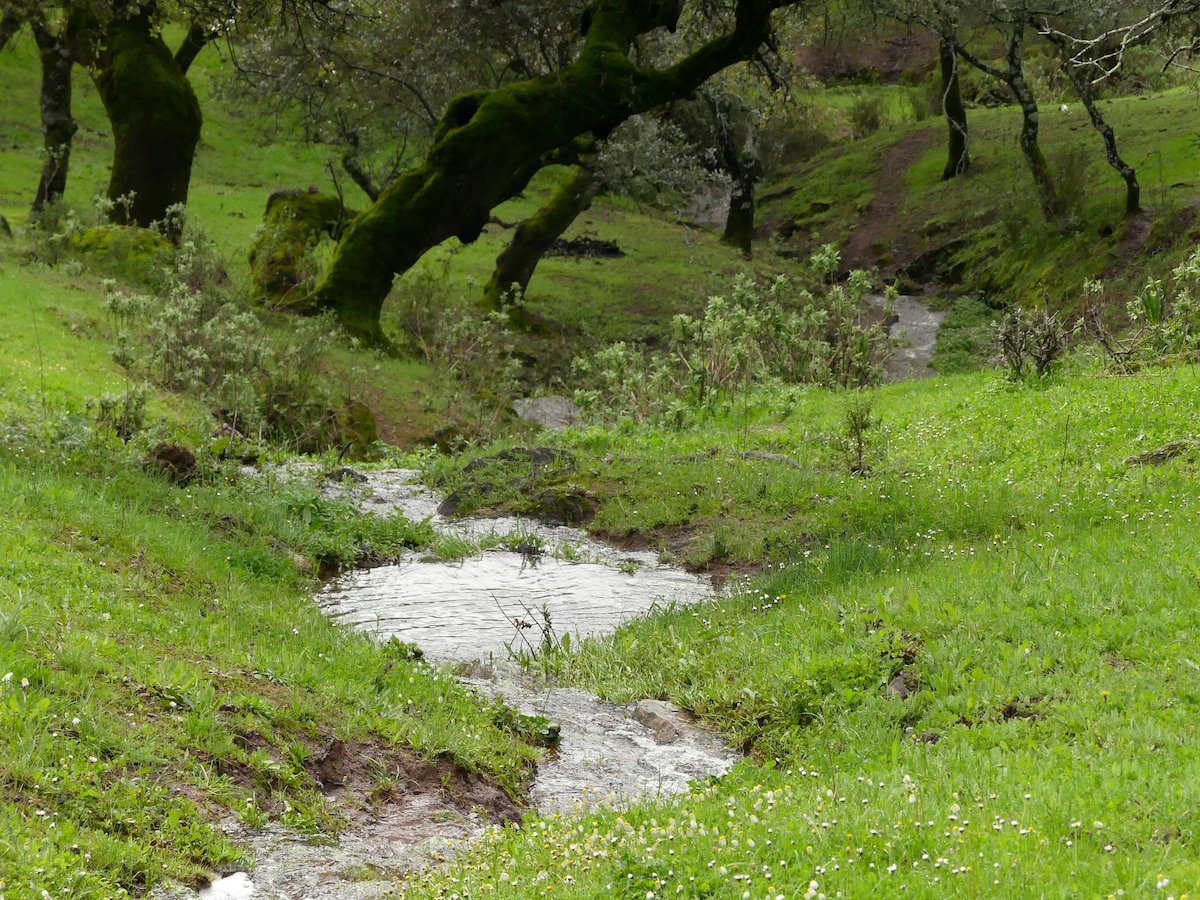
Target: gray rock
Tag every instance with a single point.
(903, 686)
(661, 719)
(549, 412)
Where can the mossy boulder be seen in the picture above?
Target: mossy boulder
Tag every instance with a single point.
(281, 264)
(126, 250)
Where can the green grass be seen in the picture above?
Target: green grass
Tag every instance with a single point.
(161, 659)
(1039, 590)
(168, 666)
(1010, 252)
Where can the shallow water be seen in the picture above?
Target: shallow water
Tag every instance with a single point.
(916, 328)
(466, 610)
(475, 608)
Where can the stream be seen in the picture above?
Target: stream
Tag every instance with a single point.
(471, 611)
(538, 583)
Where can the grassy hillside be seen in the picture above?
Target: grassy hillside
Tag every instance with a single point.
(969, 673)
(955, 641)
(883, 199)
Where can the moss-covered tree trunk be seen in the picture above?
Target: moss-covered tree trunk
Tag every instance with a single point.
(739, 221)
(11, 21)
(516, 263)
(58, 125)
(1043, 178)
(958, 157)
(490, 143)
(155, 119)
(197, 38)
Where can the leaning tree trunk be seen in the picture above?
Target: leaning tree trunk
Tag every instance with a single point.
(197, 38)
(1014, 76)
(958, 159)
(10, 23)
(533, 237)
(58, 125)
(155, 119)
(1083, 88)
(1043, 178)
(490, 143)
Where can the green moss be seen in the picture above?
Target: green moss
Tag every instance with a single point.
(281, 263)
(155, 119)
(125, 250)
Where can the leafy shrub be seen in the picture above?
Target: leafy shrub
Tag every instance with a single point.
(784, 332)
(1165, 319)
(866, 116)
(1030, 341)
(474, 348)
(190, 337)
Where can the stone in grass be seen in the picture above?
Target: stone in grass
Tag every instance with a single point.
(174, 460)
(903, 686)
(549, 412)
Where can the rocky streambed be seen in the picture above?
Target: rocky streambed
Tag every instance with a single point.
(473, 615)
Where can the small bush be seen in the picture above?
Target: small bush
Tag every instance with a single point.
(866, 116)
(474, 348)
(1030, 341)
(188, 336)
(782, 332)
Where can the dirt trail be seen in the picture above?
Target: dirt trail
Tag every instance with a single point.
(881, 229)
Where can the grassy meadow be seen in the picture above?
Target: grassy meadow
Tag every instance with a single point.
(955, 638)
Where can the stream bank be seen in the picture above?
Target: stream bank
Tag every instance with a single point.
(467, 617)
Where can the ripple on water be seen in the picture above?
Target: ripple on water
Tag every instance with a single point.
(469, 608)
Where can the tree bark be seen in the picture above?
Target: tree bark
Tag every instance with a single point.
(196, 39)
(744, 169)
(490, 143)
(533, 237)
(1083, 88)
(10, 23)
(155, 118)
(1014, 76)
(958, 158)
(739, 221)
(58, 125)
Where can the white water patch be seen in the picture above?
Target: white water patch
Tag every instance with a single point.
(481, 606)
(916, 329)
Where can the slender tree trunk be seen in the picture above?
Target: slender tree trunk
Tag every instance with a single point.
(958, 159)
(155, 118)
(354, 168)
(1083, 88)
(194, 41)
(10, 23)
(533, 237)
(743, 167)
(490, 143)
(739, 222)
(58, 125)
(1043, 178)
(1014, 76)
